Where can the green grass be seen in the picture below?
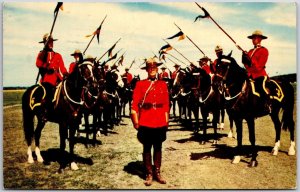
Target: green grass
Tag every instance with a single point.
(12, 97)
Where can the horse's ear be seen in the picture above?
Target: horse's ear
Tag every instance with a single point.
(230, 53)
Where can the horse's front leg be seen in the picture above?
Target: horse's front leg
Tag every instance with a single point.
(204, 114)
(216, 116)
(251, 127)
(37, 136)
(87, 128)
(277, 125)
(239, 131)
(72, 131)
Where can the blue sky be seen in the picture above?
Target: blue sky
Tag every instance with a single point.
(142, 26)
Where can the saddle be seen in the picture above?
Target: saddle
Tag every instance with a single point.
(272, 88)
(38, 94)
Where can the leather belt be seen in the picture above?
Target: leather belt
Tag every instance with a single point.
(148, 106)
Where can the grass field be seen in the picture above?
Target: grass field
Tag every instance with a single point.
(117, 160)
(12, 97)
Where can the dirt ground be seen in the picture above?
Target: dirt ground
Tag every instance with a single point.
(116, 162)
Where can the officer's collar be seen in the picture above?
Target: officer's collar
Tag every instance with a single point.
(152, 79)
(257, 46)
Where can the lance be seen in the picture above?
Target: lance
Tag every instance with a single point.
(208, 15)
(191, 41)
(119, 58)
(99, 28)
(112, 57)
(132, 63)
(56, 10)
(179, 53)
(175, 57)
(108, 50)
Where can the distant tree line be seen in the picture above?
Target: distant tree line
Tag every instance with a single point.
(288, 77)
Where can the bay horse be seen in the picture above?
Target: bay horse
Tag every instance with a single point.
(67, 104)
(243, 102)
(179, 95)
(127, 93)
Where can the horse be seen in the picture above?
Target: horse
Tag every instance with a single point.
(179, 95)
(93, 101)
(67, 104)
(207, 98)
(113, 83)
(243, 102)
(127, 92)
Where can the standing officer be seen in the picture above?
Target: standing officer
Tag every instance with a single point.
(150, 116)
(255, 62)
(51, 67)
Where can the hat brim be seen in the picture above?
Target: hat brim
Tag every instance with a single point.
(44, 41)
(252, 36)
(76, 54)
(157, 65)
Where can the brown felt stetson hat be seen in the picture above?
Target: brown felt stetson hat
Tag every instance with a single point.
(205, 58)
(257, 33)
(151, 62)
(46, 37)
(76, 52)
(176, 65)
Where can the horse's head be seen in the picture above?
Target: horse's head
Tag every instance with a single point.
(134, 80)
(180, 75)
(228, 71)
(114, 78)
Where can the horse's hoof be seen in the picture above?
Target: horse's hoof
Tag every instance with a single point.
(236, 159)
(40, 159)
(274, 152)
(253, 163)
(229, 135)
(292, 152)
(202, 142)
(215, 142)
(74, 166)
(30, 160)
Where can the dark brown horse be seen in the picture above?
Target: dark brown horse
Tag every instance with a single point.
(243, 102)
(65, 108)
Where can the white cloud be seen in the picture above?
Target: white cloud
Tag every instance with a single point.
(282, 14)
(141, 32)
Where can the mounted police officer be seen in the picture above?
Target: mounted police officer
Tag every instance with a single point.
(163, 75)
(51, 67)
(78, 59)
(174, 73)
(150, 117)
(127, 76)
(219, 53)
(203, 63)
(255, 62)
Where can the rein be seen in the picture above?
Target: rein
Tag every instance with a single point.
(69, 98)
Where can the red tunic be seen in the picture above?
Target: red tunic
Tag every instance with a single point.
(206, 68)
(71, 67)
(55, 62)
(259, 57)
(163, 75)
(128, 76)
(173, 75)
(153, 116)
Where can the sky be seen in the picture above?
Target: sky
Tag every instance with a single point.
(142, 26)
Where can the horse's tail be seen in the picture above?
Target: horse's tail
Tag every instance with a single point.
(28, 117)
(287, 121)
